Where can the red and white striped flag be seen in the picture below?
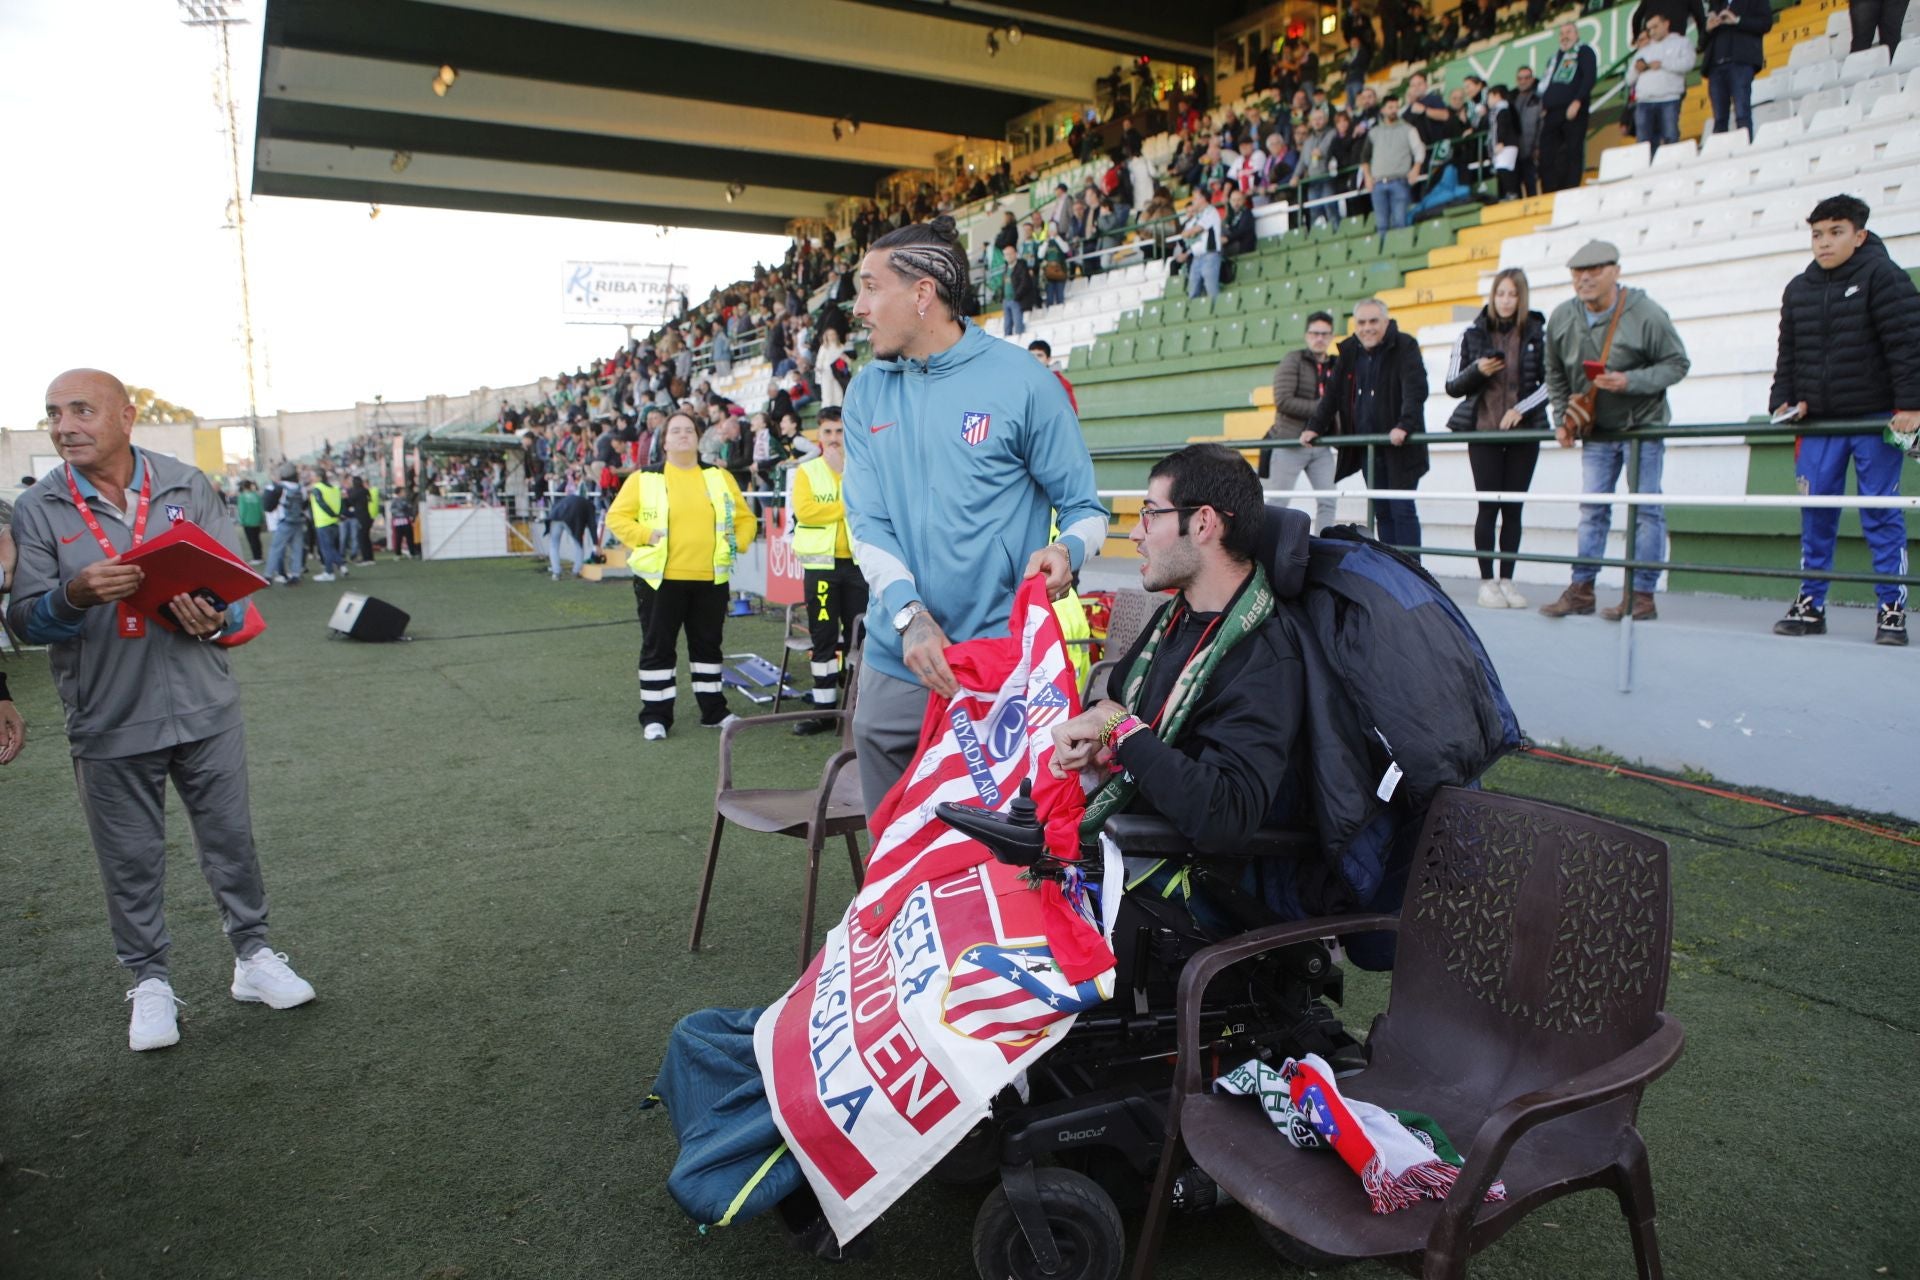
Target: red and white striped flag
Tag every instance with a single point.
(949, 975)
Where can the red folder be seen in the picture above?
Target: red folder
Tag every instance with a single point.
(186, 558)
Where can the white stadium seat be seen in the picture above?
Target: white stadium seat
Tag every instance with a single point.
(1840, 26)
(1781, 132)
(1766, 113)
(1813, 104)
(1907, 57)
(1864, 65)
(1623, 162)
(1831, 120)
(1808, 52)
(1810, 77)
(1767, 88)
(1864, 95)
(1720, 146)
(1674, 155)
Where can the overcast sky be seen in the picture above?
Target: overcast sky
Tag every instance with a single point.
(116, 254)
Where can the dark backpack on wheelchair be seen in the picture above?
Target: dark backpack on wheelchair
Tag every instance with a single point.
(1402, 700)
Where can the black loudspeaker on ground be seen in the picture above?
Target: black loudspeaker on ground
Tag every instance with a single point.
(368, 618)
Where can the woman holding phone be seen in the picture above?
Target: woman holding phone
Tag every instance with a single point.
(1499, 371)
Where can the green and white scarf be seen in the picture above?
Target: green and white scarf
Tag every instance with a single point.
(1251, 606)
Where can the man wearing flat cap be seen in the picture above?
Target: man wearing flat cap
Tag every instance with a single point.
(1631, 335)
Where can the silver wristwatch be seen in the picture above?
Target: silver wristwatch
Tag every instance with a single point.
(908, 612)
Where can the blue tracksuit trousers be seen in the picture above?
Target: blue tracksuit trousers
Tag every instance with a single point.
(1820, 465)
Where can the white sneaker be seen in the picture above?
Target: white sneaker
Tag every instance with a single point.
(264, 978)
(654, 732)
(1490, 596)
(155, 1025)
(279, 579)
(1514, 599)
(323, 577)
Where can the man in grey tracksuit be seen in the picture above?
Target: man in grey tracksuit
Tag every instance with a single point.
(143, 702)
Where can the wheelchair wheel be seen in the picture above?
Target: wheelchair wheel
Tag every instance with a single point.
(973, 1161)
(1295, 1250)
(1086, 1227)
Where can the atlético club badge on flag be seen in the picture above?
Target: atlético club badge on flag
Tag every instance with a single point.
(175, 514)
(973, 427)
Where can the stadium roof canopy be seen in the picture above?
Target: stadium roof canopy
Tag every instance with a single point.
(646, 110)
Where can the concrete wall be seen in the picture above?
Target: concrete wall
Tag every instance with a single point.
(286, 434)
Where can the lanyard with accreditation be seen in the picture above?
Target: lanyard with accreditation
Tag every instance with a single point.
(128, 625)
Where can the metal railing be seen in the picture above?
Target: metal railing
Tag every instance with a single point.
(1633, 499)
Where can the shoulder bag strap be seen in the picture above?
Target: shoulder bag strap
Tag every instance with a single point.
(1619, 310)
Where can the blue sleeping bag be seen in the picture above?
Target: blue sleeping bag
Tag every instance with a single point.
(733, 1162)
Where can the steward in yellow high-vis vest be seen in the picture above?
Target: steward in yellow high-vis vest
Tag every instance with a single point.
(836, 592)
(686, 524)
(324, 504)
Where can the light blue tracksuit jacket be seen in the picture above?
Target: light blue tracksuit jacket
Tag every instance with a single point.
(956, 468)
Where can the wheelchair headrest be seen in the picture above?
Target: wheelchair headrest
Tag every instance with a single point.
(1283, 549)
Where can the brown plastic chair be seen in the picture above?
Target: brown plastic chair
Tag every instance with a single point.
(834, 808)
(1131, 612)
(1525, 1017)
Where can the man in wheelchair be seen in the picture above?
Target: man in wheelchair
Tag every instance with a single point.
(1202, 713)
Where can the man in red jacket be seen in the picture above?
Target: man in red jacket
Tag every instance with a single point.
(1043, 352)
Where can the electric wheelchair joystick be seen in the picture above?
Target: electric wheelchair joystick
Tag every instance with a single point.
(1014, 837)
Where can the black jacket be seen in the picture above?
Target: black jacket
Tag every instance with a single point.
(1741, 44)
(1850, 338)
(1008, 235)
(1241, 237)
(1402, 395)
(1557, 93)
(1464, 381)
(1026, 290)
(1218, 783)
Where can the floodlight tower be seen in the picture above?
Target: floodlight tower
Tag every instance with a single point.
(220, 15)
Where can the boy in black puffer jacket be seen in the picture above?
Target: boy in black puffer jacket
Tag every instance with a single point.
(1849, 348)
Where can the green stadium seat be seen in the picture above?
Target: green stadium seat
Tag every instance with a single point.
(1247, 268)
(1173, 344)
(1227, 304)
(1290, 328)
(1202, 341)
(1333, 254)
(1102, 355)
(1200, 308)
(1350, 282)
(1301, 262)
(1255, 298)
(1398, 244)
(1285, 293)
(1152, 316)
(1233, 335)
(1353, 228)
(1129, 322)
(1079, 358)
(1432, 234)
(1261, 332)
(1318, 289)
(1122, 352)
(1383, 275)
(1174, 313)
(1147, 349)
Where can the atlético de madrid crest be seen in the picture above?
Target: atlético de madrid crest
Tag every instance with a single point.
(175, 514)
(973, 427)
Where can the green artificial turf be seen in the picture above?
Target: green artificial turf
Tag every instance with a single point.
(489, 877)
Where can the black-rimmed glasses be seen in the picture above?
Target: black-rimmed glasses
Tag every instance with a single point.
(1147, 514)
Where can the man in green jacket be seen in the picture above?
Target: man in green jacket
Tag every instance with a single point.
(1644, 357)
(252, 516)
